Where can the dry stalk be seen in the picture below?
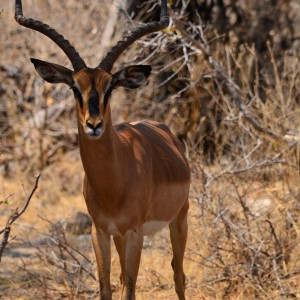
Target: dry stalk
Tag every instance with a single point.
(14, 216)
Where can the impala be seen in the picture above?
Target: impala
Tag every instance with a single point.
(136, 175)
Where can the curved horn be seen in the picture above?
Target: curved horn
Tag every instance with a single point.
(57, 38)
(111, 57)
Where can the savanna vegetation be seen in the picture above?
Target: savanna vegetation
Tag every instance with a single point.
(226, 79)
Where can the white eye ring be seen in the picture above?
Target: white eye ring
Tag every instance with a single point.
(107, 86)
(76, 85)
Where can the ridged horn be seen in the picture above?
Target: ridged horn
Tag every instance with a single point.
(57, 38)
(111, 57)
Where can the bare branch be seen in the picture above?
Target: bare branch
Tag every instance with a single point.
(14, 216)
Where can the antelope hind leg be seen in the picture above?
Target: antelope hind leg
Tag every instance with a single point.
(178, 233)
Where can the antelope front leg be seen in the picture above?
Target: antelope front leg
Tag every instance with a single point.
(129, 249)
(120, 243)
(101, 243)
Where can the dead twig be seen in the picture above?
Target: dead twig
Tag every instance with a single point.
(14, 216)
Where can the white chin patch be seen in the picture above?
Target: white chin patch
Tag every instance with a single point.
(94, 134)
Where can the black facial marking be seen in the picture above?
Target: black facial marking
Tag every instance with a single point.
(107, 96)
(78, 96)
(94, 102)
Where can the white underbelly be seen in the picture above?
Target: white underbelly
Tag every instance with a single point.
(149, 228)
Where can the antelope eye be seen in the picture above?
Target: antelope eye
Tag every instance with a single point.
(77, 95)
(75, 91)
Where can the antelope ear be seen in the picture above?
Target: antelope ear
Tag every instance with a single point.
(131, 77)
(53, 73)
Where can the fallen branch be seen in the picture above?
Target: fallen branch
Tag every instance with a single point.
(14, 216)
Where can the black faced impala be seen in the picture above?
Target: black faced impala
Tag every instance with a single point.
(136, 175)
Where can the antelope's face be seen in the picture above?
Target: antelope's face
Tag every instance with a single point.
(92, 89)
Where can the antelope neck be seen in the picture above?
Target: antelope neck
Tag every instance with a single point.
(100, 158)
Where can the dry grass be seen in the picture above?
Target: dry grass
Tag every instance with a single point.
(244, 230)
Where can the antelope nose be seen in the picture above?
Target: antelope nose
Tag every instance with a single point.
(94, 126)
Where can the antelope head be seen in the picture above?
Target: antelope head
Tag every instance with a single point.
(92, 87)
